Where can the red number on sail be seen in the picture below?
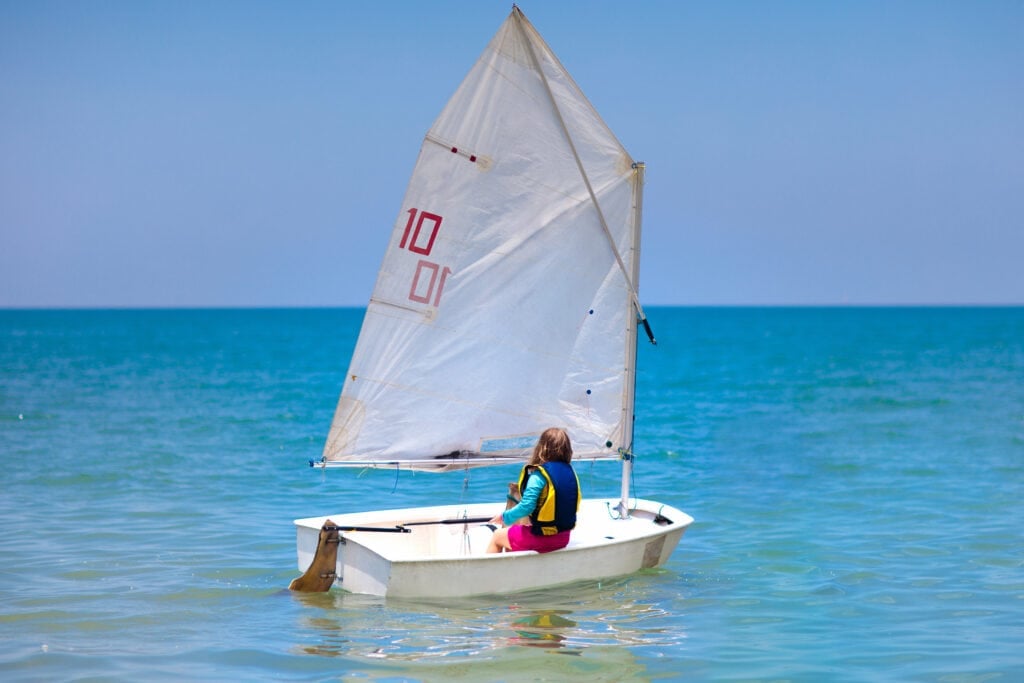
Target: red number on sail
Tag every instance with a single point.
(440, 285)
(416, 243)
(428, 293)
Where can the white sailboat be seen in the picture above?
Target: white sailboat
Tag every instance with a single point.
(506, 303)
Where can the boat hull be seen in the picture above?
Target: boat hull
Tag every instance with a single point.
(449, 560)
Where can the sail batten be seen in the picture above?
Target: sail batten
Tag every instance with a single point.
(505, 302)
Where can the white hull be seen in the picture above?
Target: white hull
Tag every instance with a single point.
(449, 560)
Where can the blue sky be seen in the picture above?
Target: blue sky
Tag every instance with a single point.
(256, 154)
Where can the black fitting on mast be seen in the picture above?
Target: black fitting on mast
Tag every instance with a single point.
(647, 329)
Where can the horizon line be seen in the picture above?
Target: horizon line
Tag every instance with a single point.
(297, 307)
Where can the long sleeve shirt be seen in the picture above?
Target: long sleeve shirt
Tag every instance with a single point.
(528, 503)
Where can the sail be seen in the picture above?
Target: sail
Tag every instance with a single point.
(506, 300)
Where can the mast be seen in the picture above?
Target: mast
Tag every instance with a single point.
(632, 335)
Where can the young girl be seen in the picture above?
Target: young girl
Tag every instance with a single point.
(551, 497)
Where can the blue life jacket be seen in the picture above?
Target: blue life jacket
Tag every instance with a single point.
(558, 502)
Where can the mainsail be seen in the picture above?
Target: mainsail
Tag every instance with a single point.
(506, 302)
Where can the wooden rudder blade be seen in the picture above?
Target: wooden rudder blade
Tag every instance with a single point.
(320, 576)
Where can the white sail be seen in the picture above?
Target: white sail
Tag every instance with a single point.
(506, 302)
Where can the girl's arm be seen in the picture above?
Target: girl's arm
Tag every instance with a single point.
(534, 485)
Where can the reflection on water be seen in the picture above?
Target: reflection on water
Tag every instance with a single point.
(545, 628)
(592, 622)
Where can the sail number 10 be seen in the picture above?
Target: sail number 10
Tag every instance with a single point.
(428, 280)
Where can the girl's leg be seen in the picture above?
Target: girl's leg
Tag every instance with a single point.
(499, 541)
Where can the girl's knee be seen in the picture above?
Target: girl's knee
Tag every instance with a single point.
(499, 541)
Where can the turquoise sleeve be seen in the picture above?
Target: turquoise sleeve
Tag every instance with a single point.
(534, 485)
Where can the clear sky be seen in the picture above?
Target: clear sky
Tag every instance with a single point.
(256, 154)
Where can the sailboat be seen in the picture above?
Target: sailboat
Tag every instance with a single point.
(507, 302)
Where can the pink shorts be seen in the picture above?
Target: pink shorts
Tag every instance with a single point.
(521, 538)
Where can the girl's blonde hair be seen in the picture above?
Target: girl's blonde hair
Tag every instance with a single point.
(552, 446)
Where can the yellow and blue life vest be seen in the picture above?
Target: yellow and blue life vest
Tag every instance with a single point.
(558, 502)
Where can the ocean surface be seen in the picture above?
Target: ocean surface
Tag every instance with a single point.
(856, 475)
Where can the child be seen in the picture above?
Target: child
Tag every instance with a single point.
(550, 498)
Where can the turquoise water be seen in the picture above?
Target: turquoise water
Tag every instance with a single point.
(856, 475)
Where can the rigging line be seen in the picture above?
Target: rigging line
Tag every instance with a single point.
(579, 164)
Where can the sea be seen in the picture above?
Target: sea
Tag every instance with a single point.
(856, 476)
